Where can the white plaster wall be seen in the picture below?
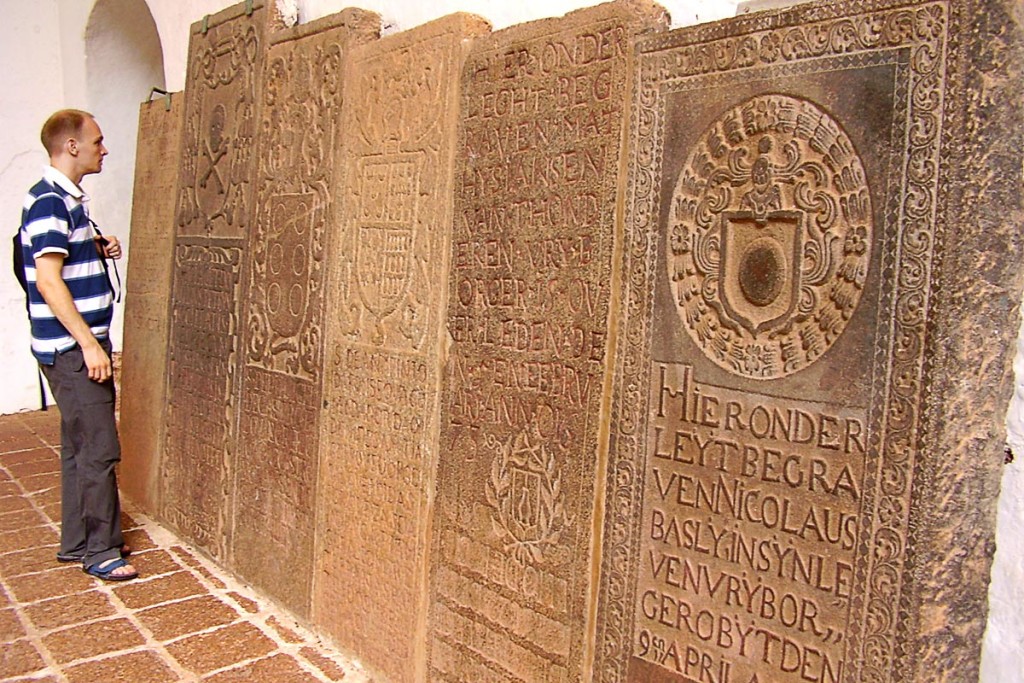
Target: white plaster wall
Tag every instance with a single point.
(123, 63)
(1003, 653)
(31, 88)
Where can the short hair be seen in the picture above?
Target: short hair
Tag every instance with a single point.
(60, 126)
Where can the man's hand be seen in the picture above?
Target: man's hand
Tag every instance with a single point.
(97, 362)
(108, 246)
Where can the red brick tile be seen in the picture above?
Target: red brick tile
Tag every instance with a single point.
(69, 610)
(9, 489)
(24, 539)
(13, 503)
(177, 619)
(10, 626)
(287, 634)
(32, 456)
(35, 559)
(145, 667)
(142, 594)
(38, 483)
(17, 438)
(18, 658)
(138, 539)
(21, 519)
(46, 496)
(153, 562)
(226, 646)
(189, 558)
(49, 464)
(280, 668)
(128, 522)
(328, 667)
(54, 583)
(90, 640)
(52, 510)
(250, 606)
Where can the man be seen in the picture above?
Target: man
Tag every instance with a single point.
(71, 307)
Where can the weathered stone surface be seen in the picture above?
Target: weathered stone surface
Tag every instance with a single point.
(146, 300)
(522, 436)
(820, 221)
(386, 339)
(225, 58)
(280, 394)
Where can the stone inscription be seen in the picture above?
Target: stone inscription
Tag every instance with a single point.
(380, 426)
(276, 479)
(528, 314)
(213, 213)
(147, 295)
(197, 477)
(748, 533)
(768, 432)
(280, 399)
(215, 193)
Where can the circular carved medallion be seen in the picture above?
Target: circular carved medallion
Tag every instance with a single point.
(769, 237)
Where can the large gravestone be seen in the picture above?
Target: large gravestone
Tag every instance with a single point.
(822, 257)
(385, 340)
(213, 220)
(148, 290)
(544, 107)
(280, 394)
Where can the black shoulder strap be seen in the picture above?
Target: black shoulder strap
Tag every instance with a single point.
(106, 268)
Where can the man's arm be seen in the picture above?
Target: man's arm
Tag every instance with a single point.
(57, 296)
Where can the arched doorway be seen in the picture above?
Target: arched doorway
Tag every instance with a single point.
(124, 61)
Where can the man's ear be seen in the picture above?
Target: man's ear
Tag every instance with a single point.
(71, 146)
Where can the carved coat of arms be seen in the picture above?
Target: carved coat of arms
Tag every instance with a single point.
(769, 235)
(526, 496)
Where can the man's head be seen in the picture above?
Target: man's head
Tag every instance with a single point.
(74, 142)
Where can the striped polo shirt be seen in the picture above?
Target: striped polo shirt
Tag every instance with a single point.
(54, 220)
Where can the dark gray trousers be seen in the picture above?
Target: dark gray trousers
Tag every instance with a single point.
(90, 507)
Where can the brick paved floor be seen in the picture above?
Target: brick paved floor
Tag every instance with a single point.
(184, 619)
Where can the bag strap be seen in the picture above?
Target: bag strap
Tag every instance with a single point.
(106, 268)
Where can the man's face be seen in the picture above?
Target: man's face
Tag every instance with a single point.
(89, 143)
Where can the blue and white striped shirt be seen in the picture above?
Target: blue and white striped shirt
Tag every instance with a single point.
(54, 220)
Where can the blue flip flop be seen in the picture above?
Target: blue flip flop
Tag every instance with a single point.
(105, 570)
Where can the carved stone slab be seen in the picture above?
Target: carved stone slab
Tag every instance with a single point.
(148, 291)
(225, 58)
(803, 471)
(543, 111)
(280, 395)
(385, 335)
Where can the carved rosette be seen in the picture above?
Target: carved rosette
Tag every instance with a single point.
(769, 236)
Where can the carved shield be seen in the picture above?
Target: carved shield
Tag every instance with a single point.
(526, 500)
(288, 254)
(759, 276)
(385, 235)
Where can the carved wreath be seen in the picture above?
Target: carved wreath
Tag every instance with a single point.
(526, 496)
